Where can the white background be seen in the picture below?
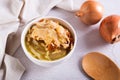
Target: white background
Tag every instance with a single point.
(89, 40)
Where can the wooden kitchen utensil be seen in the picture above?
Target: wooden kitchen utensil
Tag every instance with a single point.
(100, 67)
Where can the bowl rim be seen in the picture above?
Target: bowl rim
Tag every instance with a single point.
(28, 25)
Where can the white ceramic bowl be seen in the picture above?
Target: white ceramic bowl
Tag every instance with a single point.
(44, 62)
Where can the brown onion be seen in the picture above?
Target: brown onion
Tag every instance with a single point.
(110, 28)
(90, 12)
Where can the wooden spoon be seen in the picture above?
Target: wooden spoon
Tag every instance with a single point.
(100, 67)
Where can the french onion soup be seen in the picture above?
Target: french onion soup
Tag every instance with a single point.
(48, 40)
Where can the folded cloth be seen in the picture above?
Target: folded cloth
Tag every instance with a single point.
(1, 74)
(14, 69)
(15, 14)
(9, 23)
(70, 5)
(37, 8)
(9, 10)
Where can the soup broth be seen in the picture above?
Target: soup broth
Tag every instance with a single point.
(48, 40)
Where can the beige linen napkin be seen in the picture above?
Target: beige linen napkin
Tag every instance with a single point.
(14, 69)
(70, 5)
(15, 14)
(9, 22)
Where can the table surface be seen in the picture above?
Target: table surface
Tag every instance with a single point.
(89, 40)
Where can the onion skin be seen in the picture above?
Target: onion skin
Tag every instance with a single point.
(90, 12)
(110, 28)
